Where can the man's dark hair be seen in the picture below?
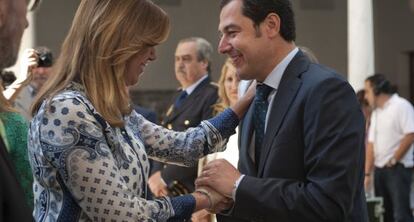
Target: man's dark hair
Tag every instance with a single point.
(380, 84)
(257, 10)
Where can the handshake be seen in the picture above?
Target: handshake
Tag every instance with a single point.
(214, 186)
(216, 201)
(216, 182)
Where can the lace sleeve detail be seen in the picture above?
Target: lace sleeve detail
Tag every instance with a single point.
(185, 148)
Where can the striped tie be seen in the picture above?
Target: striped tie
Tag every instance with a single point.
(260, 109)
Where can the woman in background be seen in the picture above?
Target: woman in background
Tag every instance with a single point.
(228, 86)
(228, 96)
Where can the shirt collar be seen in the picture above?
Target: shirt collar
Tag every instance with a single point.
(390, 100)
(191, 88)
(273, 79)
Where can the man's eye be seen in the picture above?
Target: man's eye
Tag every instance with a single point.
(232, 34)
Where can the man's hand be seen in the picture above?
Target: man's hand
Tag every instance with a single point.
(220, 175)
(367, 182)
(28, 62)
(157, 185)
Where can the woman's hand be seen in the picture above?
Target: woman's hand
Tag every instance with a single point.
(211, 200)
(244, 101)
(157, 185)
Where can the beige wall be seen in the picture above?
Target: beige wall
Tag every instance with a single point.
(394, 36)
(52, 22)
(324, 30)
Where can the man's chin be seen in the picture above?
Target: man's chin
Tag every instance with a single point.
(244, 76)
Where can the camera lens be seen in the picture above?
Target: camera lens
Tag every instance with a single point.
(45, 60)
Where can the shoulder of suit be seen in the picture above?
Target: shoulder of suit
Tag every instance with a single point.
(212, 85)
(212, 88)
(320, 73)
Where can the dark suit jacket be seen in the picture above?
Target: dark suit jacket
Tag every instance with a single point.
(311, 166)
(198, 106)
(12, 202)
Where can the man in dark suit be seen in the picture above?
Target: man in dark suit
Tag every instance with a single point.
(302, 140)
(12, 24)
(192, 104)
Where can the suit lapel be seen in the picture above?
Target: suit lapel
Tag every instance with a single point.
(287, 91)
(175, 112)
(245, 138)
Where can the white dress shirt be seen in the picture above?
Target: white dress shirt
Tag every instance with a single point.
(272, 80)
(389, 125)
(192, 87)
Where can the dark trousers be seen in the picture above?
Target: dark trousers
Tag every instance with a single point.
(393, 184)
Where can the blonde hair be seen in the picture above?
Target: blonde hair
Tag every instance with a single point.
(104, 35)
(223, 101)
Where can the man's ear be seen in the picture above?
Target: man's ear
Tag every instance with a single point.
(272, 25)
(204, 63)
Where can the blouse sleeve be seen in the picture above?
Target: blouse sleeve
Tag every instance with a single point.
(185, 148)
(74, 143)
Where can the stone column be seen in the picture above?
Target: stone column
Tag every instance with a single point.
(360, 42)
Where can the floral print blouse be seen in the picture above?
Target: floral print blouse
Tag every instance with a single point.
(86, 170)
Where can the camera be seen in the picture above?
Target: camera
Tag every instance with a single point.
(44, 59)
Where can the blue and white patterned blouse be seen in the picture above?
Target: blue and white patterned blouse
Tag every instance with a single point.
(86, 170)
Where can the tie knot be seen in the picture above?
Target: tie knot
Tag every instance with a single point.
(183, 95)
(263, 91)
(180, 99)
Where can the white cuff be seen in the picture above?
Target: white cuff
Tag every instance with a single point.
(235, 186)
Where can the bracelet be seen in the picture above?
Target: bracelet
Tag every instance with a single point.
(207, 194)
(367, 174)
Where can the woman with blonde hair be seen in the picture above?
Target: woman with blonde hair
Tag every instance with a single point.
(89, 151)
(228, 85)
(228, 96)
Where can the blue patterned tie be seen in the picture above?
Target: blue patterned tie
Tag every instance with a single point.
(180, 99)
(260, 109)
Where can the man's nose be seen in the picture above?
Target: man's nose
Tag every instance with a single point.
(224, 45)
